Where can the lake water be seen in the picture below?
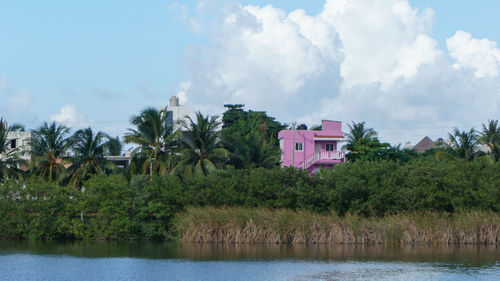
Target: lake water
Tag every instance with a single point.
(28, 260)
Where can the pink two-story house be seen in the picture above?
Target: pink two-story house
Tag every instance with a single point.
(312, 150)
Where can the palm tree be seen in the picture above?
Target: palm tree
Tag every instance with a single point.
(201, 146)
(88, 149)
(358, 134)
(114, 147)
(491, 137)
(252, 152)
(9, 158)
(156, 140)
(49, 144)
(361, 140)
(463, 143)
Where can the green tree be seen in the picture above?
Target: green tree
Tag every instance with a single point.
(250, 152)
(201, 147)
(463, 144)
(491, 137)
(114, 147)
(361, 141)
(49, 144)
(157, 141)
(237, 122)
(10, 159)
(250, 137)
(392, 153)
(109, 196)
(89, 155)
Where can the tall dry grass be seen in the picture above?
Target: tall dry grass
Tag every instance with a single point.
(262, 225)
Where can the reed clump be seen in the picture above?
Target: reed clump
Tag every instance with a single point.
(279, 226)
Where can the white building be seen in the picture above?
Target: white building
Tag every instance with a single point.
(20, 141)
(176, 113)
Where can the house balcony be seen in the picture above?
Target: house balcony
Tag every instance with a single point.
(323, 157)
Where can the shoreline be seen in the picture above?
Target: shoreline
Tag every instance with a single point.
(261, 226)
(240, 225)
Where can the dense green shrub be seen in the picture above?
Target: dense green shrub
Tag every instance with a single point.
(32, 210)
(114, 207)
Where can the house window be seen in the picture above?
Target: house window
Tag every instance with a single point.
(330, 147)
(299, 146)
(13, 143)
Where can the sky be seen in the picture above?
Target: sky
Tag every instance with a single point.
(409, 69)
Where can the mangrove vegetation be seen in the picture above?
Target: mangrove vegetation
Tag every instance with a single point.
(220, 180)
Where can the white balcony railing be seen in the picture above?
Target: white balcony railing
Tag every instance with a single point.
(321, 156)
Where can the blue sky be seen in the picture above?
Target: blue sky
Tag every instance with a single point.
(107, 60)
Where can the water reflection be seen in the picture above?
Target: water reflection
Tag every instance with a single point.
(463, 255)
(35, 260)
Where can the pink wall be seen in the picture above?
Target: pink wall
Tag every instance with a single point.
(331, 126)
(330, 129)
(305, 137)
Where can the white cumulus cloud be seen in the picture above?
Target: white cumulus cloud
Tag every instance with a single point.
(361, 60)
(69, 116)
(377, 37)
(261, 56)
(481, 55)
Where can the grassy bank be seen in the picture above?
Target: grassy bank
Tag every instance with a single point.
(262, 225)
(115, 207)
